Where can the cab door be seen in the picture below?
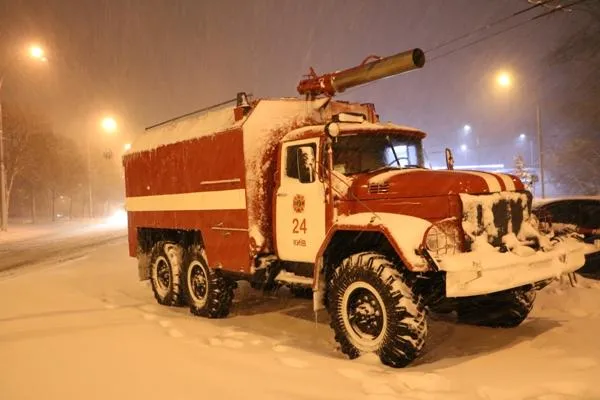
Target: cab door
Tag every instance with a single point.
(300, 203)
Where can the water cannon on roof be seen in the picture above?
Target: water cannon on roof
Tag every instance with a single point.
(368, 71)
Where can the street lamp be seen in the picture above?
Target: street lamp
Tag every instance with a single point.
(109, 125)
(522, 138)
(504, 80)
(37, 53)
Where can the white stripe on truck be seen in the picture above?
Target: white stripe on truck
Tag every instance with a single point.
(508, 182)
(491, 181)
(234, 199)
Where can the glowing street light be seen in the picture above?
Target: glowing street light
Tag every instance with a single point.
(463, 147)
(467, 128)
(38, 53)
(127, 146)
(503, 79)
(109, 124)
(522, 136)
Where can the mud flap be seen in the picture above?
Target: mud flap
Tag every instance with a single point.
(143, 266)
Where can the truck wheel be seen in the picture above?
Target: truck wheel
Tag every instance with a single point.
(505, 309)
(374, 310)
(165, 273)
(210, 294)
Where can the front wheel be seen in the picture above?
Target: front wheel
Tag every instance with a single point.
(505, 309)
(210, 294)
(374, 310)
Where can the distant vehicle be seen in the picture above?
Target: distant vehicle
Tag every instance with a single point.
(575, 215)
(317, 193)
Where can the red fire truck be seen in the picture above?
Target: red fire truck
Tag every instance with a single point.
(316, 193)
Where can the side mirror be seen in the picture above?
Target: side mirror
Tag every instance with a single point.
(307, 166)
(449, 159)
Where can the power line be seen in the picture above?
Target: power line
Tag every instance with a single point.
(542, 2)
(545, 14)
(488, 26)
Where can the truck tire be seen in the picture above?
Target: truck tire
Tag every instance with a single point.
(506, 309)
(210, 294)
(374, 310)
(165, 273)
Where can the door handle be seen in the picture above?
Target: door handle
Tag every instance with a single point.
(282, 194)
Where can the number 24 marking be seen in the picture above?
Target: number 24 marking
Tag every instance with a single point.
(299, 225)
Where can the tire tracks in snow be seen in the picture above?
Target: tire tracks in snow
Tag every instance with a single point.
(57, 252)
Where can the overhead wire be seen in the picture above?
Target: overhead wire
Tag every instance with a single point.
(487, 26)
(487, 37)
(544, 14)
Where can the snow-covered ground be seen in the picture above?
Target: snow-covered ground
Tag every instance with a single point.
(87, 329)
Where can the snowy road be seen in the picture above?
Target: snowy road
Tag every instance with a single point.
(24, 246)
(87, 329)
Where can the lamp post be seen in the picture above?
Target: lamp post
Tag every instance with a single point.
(505, 80)
(109, 126)
(35, 52)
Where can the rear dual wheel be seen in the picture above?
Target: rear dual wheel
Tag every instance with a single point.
(209, 292)
(165, 273)
(178, 277)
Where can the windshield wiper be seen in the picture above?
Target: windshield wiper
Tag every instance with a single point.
(376, 169)
(387, 137)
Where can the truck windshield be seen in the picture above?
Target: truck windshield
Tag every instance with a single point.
(356, 153)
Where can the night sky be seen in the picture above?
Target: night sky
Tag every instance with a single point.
(148, 60)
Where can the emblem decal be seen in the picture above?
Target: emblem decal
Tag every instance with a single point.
(299, 203)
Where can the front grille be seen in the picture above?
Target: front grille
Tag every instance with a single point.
(495, 215)
(376, 188)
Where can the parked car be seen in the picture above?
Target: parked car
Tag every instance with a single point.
(575, 215)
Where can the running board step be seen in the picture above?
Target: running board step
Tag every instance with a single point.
(293, 279)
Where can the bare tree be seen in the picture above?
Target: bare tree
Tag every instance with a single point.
(20, 125)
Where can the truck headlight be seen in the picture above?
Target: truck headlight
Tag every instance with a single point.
(441, 241)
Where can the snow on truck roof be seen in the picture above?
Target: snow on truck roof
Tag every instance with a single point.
(217, 120)
(186, 128)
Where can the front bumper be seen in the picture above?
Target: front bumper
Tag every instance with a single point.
(484, 272)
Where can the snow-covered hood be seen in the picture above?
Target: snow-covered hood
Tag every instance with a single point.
(425, 183)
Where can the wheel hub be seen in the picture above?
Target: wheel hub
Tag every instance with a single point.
(365, 313)
(199, 282)
(163, 274)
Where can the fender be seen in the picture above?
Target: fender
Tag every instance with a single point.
(405, 234)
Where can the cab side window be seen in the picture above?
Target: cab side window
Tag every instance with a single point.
(296, 164)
